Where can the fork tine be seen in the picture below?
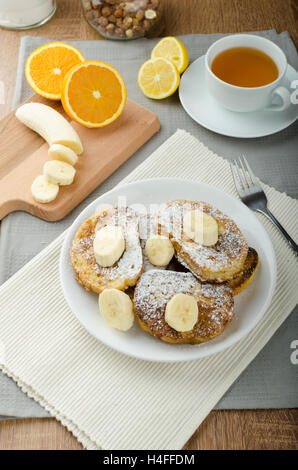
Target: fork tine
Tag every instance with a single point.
(235, 178)
(244, 172)
(249, 170)
(240, 174)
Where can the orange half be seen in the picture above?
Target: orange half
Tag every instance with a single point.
(47, 66)
(93, 93)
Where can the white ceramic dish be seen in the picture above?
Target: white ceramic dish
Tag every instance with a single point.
(204, 109)
(249, 306)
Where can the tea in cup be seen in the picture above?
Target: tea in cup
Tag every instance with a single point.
(246, 73)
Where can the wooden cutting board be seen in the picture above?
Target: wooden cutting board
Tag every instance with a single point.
(23, 154)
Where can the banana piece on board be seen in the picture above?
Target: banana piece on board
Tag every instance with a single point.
(200, 227)
(116, 308)
(50, 124)
(108, 245)
(59, 172)
(182, 312)
(159, 250)
(43, 190)
(62, 153)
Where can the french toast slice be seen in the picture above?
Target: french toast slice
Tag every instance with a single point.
(126, 271)
(156, 287)
(217, 263)
(241, 281)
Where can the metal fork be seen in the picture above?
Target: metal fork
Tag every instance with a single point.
(253, 196)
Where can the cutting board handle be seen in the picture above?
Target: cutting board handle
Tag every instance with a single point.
(8, 205)
(4, 207)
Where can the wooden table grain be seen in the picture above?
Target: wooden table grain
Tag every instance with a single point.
(233, 429)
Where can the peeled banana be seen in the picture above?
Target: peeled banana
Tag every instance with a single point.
(50, 124)
(43, 190)
(200, 227)
(59, 172)
(182, 312)
(108, 245)
(159, 250)
(116, 308)
(65, 154)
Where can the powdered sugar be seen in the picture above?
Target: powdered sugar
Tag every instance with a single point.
(229, 252)
(155, 288)
(130, 264)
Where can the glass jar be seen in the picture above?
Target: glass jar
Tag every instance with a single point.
(118, 19)
(20, 14)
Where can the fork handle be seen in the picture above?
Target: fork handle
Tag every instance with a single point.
(290, 240)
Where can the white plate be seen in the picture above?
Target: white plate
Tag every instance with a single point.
(249, 306)
(203, 108)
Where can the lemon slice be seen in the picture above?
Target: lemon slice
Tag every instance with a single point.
(172, 49)
(158, 78)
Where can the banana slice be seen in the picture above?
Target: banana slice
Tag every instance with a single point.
(43, 191)
(59, 172)
(62, 153)
(116, 308)
(182, 312)
(50, 124)
(200, 227)
(108, 245)
(159, 250)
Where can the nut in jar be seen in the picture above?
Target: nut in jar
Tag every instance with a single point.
(116, 19)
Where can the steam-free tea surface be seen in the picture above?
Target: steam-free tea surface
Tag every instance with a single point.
(245, 67)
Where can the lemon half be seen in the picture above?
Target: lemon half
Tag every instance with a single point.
(158, 78)
(172, 49)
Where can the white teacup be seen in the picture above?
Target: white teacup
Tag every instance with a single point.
(242, 99)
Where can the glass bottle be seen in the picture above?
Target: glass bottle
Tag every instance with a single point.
(25, 14)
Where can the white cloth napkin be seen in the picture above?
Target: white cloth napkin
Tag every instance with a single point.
(108, 400)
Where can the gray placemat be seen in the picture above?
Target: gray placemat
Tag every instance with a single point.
(271, 380)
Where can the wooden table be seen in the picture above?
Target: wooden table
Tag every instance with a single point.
(254, 429)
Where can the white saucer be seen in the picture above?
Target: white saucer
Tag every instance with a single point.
(203, 108)
(250, 305)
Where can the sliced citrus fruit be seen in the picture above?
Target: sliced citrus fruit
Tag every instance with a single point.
(93, 93)
(47, 66)
(173, 49)
(158, 78)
